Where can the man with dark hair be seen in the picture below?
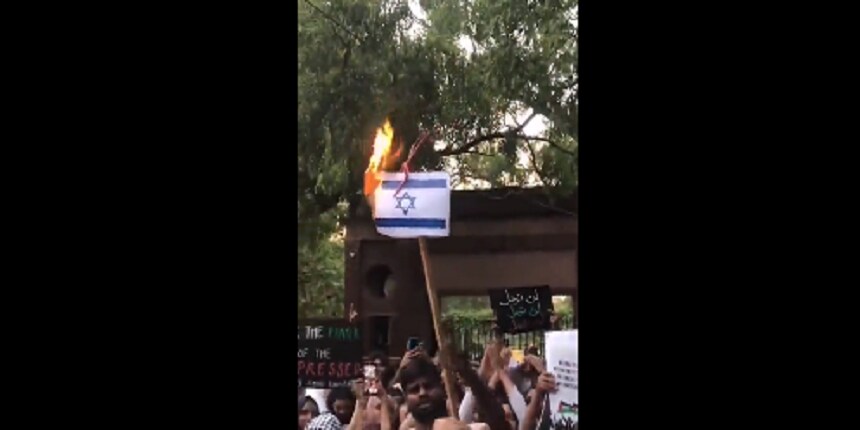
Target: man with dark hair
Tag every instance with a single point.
(425, 392)
(341, 405)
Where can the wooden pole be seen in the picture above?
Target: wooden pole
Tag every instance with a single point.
(442, 353)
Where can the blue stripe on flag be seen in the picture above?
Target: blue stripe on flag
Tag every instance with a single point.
(416, 183)
(410, 222)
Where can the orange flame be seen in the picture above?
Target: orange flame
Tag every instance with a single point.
(381, 149)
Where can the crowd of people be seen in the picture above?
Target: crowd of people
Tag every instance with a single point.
(500, 394)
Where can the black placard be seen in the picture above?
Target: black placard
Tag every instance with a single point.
(520, 310)
(329, 353)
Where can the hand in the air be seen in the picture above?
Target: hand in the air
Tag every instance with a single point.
(505, 356)
(485, 371)
(502, 359)
(358, 390)
(535, 362)
(545, 383)
(412, 355)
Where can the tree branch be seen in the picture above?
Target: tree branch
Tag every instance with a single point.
(526, 122)
(330, 18)
(465, 148)
(551, 143)
(535, 163)
(462, 149)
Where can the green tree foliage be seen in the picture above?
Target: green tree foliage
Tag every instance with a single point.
(321, 256)
(462, 68)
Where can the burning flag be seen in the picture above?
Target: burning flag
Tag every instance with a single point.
(404, 204)
(380, 157)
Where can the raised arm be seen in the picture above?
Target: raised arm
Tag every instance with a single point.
(491, 411)
(357, 420)
(518, 403)
(466, 412)
(386, 415)
(545, 384)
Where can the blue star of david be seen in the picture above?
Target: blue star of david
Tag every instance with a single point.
(400, 200)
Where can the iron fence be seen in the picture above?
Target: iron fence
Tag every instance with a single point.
(471, 338)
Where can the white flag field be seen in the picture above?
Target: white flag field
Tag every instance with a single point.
(562, 360)
(421, 207)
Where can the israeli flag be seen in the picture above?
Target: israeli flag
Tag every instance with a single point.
(422, 207)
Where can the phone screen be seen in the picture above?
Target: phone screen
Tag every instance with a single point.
(369, 379)
(369, 372)
(412, 343)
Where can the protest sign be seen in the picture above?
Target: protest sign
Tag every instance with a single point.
(329, 353)
(520, 310)
(562, 360)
